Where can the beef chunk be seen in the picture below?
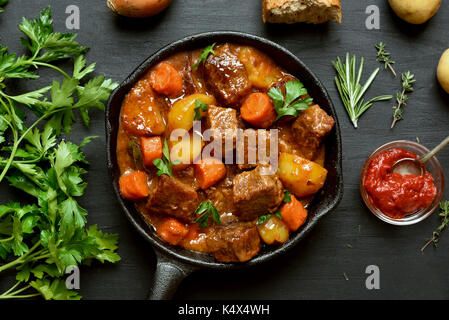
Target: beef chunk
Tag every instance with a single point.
(310, 128)
(256, 194)
(248, 148)
(174, 198)
(238, 242)
(224, 123)
(226, 76)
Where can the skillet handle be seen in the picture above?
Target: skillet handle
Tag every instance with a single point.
(167, 278)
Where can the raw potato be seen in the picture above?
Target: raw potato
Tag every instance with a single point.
(443, 71)
(415, 11)
(138, 8)
(273, 230)
(301, 176)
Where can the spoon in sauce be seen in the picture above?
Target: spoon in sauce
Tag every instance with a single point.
(416, 166)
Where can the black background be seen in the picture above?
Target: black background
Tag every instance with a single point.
(315, 268)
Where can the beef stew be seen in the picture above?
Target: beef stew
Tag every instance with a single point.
(246, 201)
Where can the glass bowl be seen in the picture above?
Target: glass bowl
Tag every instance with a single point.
(433, 166)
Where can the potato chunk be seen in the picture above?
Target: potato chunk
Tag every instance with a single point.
(262, 71)
(274, 230)
(186, 151)
(301, 176)
(182, 113)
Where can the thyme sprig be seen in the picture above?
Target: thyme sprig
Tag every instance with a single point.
(444, 214)
(385, 57)
(408, 80)
(350, 89)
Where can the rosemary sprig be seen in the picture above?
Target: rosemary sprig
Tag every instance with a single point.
(385, 57)
(408, 79)
(444, 214)
(350, 89)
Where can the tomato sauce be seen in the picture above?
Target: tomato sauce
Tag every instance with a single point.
(394, 194)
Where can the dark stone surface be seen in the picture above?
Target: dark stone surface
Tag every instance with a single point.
(314, 269)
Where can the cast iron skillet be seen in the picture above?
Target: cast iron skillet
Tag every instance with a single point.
(175, 263)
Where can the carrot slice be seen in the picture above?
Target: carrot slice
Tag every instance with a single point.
(134, 185)
(166, 80)
(172, 231)
(209, 171)
(258, 110)
(151, 149)
(293, 214)
(194, 232)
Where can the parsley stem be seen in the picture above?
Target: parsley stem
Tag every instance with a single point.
(11, 157)
(10, 293)
(20, 297)
(43, 64)
(12, 288)
(7, 239)
(19, 260)
(14, 295)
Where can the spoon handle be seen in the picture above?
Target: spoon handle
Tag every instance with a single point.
(437, 149)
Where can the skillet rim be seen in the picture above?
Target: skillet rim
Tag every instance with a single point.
(165, 249)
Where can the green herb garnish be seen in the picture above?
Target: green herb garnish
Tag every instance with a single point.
(199, 106)
(408, 79)
(40, 240)
(204, 210)
(2, 4)
(292, 103)
(444, 214)
(263, 219)
(385, 57)
(165, 165)
(287, 196)
(350, 89)
(203, 57)
(49, 235)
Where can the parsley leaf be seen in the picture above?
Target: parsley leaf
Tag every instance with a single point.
(199, 106)
(203, 57)
(287, 196)
(40, 36)
(278, 214)
(204, 210)
(263, 219)
(165, 164)
(292, 103)
(2, 4)
(54, 290)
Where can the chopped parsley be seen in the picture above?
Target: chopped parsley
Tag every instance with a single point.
(203, 57)
(292, 103)
(199, 106)
(204, 210)
(165, 165)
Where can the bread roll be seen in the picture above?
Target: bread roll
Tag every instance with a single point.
(308, 11)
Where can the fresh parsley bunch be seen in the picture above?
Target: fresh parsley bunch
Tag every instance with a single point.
(40, 240)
